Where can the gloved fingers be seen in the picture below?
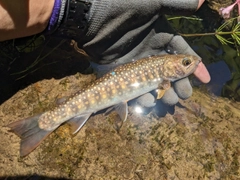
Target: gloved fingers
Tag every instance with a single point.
(159, 41)
(183, 88)
(144, 103)
(170, 97)
(146, 100)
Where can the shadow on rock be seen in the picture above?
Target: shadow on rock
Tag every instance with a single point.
(55, 59)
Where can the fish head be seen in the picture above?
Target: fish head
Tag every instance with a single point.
(179, 66)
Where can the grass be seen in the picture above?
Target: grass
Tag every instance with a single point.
(226, 37)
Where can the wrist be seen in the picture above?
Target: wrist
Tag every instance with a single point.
(72, 22)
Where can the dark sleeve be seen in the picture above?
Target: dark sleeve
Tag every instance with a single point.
(179, 6)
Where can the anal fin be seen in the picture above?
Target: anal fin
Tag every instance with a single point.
(77, 122)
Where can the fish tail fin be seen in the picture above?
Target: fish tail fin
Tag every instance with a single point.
(29, 132)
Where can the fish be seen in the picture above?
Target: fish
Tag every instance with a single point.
(113, 91)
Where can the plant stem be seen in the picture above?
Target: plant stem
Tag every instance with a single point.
(206, 34)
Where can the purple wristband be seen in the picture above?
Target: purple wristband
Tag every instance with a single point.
(55, 15)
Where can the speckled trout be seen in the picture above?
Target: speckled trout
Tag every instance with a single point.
(113, 90)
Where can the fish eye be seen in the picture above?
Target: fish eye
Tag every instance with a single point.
(186, 61)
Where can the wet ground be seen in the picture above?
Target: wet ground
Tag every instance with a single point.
(198, 140)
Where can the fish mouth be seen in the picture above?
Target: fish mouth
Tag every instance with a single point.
(197, 63)
(200, 60)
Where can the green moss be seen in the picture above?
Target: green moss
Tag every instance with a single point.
(234, 168)
(64, 83)
(209, 166)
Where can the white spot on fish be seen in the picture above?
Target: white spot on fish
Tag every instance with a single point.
(136, 84)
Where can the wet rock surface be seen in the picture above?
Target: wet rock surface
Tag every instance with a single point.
(200, 140)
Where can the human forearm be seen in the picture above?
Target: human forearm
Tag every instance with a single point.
(23, 17)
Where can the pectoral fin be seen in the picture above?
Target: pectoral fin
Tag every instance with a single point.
(160, 93)
(165, 85)
(77, 122)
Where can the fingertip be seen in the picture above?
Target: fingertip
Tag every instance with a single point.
(170, 97)
(183, 88)
(146, 100)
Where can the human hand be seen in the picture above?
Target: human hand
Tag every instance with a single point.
(119, 32)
